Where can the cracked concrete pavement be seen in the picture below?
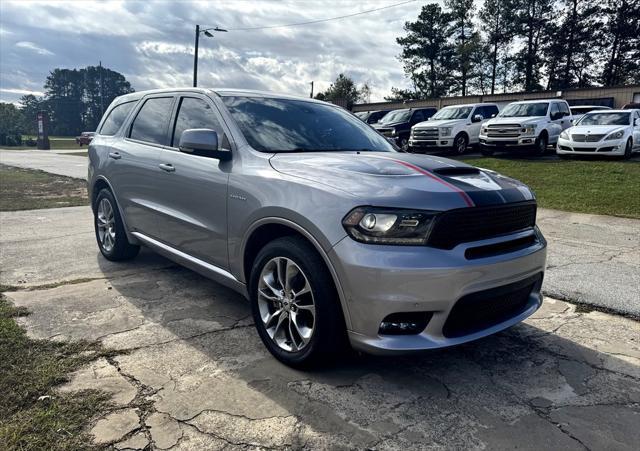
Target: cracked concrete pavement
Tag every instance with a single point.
(190, 372)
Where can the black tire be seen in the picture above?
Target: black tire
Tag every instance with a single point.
(460, 144)
(404, 144)
(486, 152)
(329, 338)
(628, 150)
(119, 247)
(541, 144)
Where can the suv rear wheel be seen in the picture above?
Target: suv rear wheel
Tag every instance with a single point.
(110, 234)
(294, 303)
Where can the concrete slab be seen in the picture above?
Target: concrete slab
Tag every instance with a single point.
(46, 160)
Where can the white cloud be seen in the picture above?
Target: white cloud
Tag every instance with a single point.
(31, 46)
(151, 43)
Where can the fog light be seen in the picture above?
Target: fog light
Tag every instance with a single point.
(404, 323)
(444, 143)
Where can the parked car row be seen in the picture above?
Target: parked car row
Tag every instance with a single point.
(532, 125)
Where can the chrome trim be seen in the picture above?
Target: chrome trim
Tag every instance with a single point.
(204, 268)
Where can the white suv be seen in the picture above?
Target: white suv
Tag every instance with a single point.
(528, 125)
(452, 128)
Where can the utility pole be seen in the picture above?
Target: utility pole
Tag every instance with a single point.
(206, 32)
(195, 58)
(311, 90)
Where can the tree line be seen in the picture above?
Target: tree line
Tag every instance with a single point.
(73, 98)
(522, 45)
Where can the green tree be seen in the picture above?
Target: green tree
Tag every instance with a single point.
(427, 53)
(11, 124)
(573, 45)
(497, 19)
(621, 42)
(532, 22)
(101, 86)
(467, 41)
(342, 89)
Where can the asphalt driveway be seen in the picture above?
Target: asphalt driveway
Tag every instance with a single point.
(196, 376)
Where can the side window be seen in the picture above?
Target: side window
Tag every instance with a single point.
(150, 125)
(479, 110)
(116, 118)
(195, 113)
(564, 109)
(553, 111)
(418, 116)
(490, 111)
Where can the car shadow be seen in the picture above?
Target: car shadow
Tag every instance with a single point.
(563, 379)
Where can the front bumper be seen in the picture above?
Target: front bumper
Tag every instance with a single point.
(381, 280)
(613, 147)
(512, 143)
(436, 143)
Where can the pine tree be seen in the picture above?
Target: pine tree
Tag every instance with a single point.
(498, 22)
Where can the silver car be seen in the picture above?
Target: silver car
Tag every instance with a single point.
(334, 236)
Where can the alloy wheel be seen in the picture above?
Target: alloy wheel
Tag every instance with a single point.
(286, 304)
(461, 145)
(106, 225)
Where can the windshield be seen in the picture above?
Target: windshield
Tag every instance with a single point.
(284, 125)
(524, 109)
(396, 116)
(605, 119)
(452, 113)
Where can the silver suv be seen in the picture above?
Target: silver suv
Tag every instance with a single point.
(334, 236)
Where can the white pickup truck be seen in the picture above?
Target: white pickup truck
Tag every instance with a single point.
(452, 128)
(528, 125)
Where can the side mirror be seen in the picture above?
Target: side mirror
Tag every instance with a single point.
(202, 142)
(477, 118)
(494, 115)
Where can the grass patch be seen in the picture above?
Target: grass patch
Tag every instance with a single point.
(28, 189)
(598, 187)
(33, 416)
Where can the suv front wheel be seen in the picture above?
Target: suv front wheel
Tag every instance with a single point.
(109, 228)
(295, 305)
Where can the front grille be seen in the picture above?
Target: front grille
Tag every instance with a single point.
(503, 131)
(479, 223)
(586, 138)
(424, 133)
(483, 309)
(584, 149)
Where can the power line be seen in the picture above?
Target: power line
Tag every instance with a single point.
(321, 20)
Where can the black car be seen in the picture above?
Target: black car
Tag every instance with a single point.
(371, 117)
(397, 124)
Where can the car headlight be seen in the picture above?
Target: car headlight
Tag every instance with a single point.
(615, 135)
(529, 129)
(484, 130)
(389, 225)
(564, 135)
(445, 131)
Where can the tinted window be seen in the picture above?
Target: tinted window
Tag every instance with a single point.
(195, 113)
(553, 110)
(489, 111)
(418, 116)
(284, 125)
(525, 109)
(116, 118)
(151, 123)
(564, 108)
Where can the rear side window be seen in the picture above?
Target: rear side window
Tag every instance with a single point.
(195, 113)
(554, 109)
(488, 111)
(564, 108)
(150, 125)
(116, 118)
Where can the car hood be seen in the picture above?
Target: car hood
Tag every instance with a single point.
(595, 129)
(403, 180)
(389, 125)
(439, 123)
(515, 120)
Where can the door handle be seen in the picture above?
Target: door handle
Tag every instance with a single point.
(115, 155)
(166, 167)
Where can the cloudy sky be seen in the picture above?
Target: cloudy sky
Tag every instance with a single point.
(151, 43)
